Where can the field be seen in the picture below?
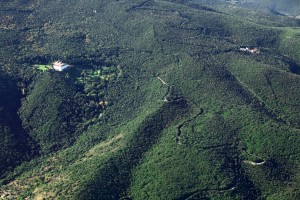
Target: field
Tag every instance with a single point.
(43, 68)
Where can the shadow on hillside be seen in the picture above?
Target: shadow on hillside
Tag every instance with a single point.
(113, 181)
(15, 145)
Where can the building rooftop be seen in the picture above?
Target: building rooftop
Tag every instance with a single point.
(58, 63)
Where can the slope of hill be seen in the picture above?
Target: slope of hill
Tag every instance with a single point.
(277, 7)
(289, 7)
(161, 102)
(15, 143)
(50, 112)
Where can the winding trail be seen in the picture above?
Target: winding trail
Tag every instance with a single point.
(218, 146)
(162, 81)
(140, 5)
(193, 195)
(261, 162)
(268, 79)
(179, 127)
(262, 105)
(254, 163)
(165, 99)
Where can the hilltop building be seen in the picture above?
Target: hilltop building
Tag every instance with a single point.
(253, 51)
(59, 66)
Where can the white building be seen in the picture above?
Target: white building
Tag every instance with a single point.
(244, 49)
(59, 66)
(253, 51)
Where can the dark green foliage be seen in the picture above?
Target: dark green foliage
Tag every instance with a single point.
(112, 182)
(160, 104)
(51, 112)
(15, 145)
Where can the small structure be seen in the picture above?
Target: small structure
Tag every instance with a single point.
(233, 1)
(253, 51)
(244, 49)
(60, 66)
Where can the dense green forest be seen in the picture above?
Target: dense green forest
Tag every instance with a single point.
(15, 144)
(163, 99)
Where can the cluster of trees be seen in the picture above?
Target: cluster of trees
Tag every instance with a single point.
(50, 112)
(15, 144)
(92, 88)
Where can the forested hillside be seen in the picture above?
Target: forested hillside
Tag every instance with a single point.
(15, 144)
(277, 7)
(50, 112)
(162, 100)
(289, 7)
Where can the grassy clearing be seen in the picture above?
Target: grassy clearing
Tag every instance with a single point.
(43, 68)
(101, 73)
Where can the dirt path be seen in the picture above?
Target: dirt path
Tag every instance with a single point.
(165, 98)
(140, 5)
(193, 195)
(254, 163)
(179, 127)
(162, 81)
